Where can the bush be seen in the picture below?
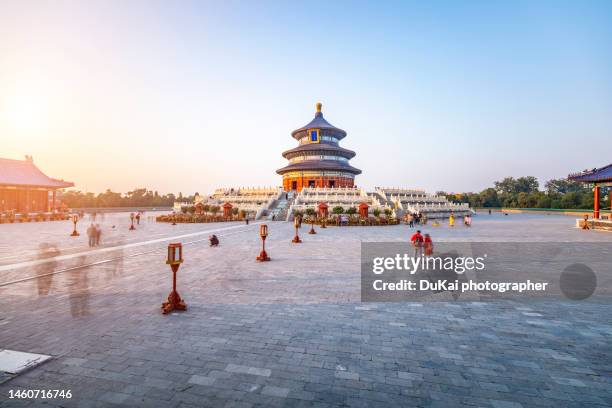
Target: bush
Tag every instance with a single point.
(351, 211)
(376, 212)
(338, 210)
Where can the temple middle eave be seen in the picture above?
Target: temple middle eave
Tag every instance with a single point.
(320, 165)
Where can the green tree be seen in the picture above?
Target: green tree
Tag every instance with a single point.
(351, 211)
(338, 210)
(488, 197)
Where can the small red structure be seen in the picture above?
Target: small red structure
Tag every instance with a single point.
(199, 208)
(175, 259)
(25, 189)
(263, 233)
(323, 209)
(227, 210)
(363, 210)
(596, 177)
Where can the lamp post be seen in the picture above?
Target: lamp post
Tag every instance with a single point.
(132, 228)
(312, 230)
(263, 233)
(175, 259)
(296, 239)
(75, 219)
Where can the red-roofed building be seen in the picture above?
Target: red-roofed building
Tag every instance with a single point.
(26, 189)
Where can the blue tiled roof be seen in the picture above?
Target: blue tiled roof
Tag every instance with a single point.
(319, 122)
(602, 175)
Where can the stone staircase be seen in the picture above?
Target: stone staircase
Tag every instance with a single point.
(282, 208)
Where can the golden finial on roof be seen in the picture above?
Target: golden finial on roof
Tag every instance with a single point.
(319, 105)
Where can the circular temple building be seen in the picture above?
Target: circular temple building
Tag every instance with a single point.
(318, 161)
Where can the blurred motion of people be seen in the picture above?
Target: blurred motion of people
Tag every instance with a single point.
(91, 234)
(79, 290)
(44, 271)
(98, 234)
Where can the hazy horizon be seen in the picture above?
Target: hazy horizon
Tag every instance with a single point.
(193, 96)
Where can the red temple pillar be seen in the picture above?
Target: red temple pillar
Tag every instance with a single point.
(596, 203)
(227, 210)
(323, 209)
(363, 210)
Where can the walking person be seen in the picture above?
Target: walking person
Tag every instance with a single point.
(417, 243)
(451, 220)
(428, 243)
(410, 220)
(138, 218)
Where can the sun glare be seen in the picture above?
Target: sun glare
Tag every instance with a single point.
(26, 108)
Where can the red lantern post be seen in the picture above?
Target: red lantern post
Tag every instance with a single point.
(263, 233)
(312, 230)
(75, 219)
(296, 239)
(175, 259)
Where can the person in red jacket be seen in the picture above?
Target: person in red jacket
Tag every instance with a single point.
(417, 242)
(428, 245)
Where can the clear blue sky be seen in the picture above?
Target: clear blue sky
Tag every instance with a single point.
(188, 96)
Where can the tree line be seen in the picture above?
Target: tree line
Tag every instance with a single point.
(524, 192)
(140, 197)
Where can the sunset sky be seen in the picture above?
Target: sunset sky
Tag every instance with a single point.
(189, 96)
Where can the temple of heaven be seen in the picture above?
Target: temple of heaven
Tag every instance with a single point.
(318, 161)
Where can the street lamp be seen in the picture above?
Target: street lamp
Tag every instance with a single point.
(75, 219)
(296, 239)
(263, 233)
(175, 259)
(312, 230)
(132, 228)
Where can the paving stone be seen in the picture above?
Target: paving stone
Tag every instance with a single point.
(275, 391)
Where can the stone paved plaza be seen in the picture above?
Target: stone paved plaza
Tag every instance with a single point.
(291, 332)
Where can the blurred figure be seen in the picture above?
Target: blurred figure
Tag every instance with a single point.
(138, 218)
(451, 220)
(79, 290)
(417, 243)
(98, 234)
(119, 262)
(44, 271)
(91, 234)
(214, 241)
